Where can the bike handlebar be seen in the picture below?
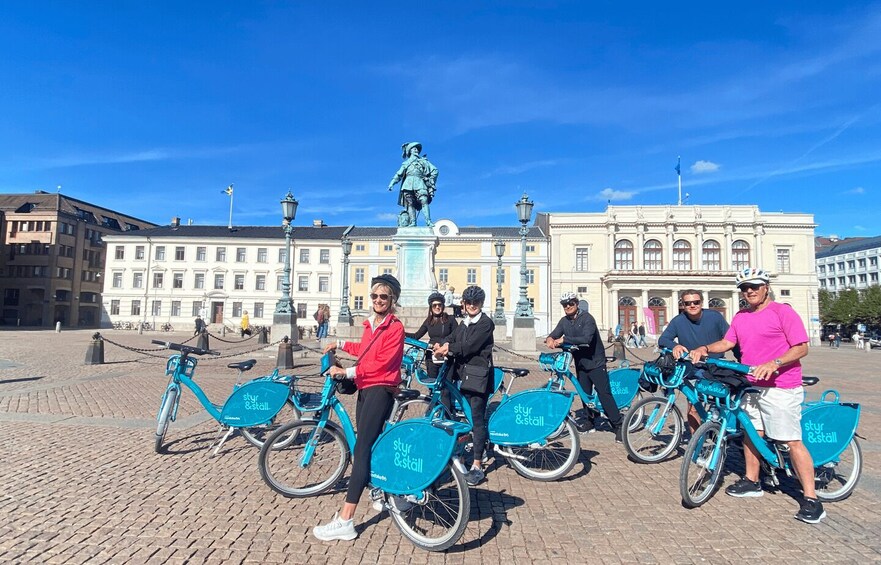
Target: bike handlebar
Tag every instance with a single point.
(725, 364)
(185, 349)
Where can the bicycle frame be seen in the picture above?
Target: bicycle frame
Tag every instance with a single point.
(558, 365)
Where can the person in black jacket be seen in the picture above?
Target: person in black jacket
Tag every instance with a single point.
(579, 328)
(439, 326)
(471, 349)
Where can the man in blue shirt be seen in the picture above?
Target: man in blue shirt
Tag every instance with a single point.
(693, 328)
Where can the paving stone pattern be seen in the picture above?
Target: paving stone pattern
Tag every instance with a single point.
(80, 483)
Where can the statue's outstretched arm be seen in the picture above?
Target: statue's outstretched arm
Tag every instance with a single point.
(398, 176)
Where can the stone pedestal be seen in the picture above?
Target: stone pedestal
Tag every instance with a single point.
(415, 265)
(501, 331)
(285, 325)
(523, 336)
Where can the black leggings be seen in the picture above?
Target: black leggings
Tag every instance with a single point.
(477, 402)
(599, 378)
(372, 410)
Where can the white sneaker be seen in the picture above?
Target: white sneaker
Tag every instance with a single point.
(336, 529)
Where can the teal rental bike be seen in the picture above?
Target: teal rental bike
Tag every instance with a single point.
(416, 470)
(254, 408)
(828, 430)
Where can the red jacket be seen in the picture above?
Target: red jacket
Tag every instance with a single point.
(381, 362)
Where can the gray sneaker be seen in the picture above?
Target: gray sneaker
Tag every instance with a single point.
(336, 529)
(474, 476)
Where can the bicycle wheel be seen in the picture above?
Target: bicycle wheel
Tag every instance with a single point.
(282, 466)
(437, 522)
(836, 480)
(256, 435)
(652, 430)
(697, 483)
(636, 400)
(551, 461)
(416, 408)
(165, 412)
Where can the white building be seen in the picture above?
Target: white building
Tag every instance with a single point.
(849, 263)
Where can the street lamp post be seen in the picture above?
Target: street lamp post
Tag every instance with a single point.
(289, 211)
(499, 316)
(345, 314)
(524, 214)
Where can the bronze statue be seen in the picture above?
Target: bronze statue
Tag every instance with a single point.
(418, 178)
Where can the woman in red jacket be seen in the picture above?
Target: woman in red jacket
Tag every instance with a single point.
(377, 373)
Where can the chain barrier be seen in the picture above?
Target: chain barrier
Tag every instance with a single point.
(218, 338)
(514, 353)
(149, 352)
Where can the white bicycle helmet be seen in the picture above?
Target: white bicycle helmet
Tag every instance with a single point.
(752, 276)
(567, 297)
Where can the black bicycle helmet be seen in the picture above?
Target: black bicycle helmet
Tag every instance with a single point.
(436, 297)
(389, 281)
(474, 294)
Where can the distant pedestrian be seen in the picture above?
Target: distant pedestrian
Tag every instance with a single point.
(200, 325)
(633, 335)
(246, 324)
(831, 338)
(641, 331)
(837, 340)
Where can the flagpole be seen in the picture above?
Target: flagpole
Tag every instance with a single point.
(678, 176)
(231, 196)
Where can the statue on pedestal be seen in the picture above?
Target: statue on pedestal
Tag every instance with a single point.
(418, 178)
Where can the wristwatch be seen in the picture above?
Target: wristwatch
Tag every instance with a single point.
(779, 362)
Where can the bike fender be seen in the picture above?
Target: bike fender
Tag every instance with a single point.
(624, 384)
(409, 456)
(827, 428)
(529, 416)
(254, 403)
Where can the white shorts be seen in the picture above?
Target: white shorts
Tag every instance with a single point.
(777, 411)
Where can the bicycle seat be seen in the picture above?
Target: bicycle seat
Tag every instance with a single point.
(809, 381)
(407, 394)
(517, 372)
(243, 365)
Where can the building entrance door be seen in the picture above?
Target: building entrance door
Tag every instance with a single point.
(217, 312)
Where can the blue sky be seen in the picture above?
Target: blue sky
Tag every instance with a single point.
(153, 108)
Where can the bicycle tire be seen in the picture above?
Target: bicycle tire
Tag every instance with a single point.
(830, 474)
(552, 460)
(642, 445)
(636, 400)
(281, 468)
(696, 485)
(257, 435)
(165, 411)
(437, 523)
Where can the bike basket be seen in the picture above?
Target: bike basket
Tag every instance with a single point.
(555, 362)
(173, 362)
(307, 394)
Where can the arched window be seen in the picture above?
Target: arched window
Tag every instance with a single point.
(742, 304)
(626, 312)
(624, 255)
(658, 306)
(718, 305)
(712, 255)
(652, 255)
(739, 255)
(681, 256)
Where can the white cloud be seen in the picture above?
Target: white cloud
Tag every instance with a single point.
(859, 228)
(612, 194)
(857, 190)
(704, 167)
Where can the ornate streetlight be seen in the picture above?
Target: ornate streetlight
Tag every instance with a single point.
(524, 214)
(288, 211)
(345, 314)
(499, 316)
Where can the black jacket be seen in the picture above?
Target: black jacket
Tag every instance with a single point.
(437, 333)
(473, 345)
(582, 331)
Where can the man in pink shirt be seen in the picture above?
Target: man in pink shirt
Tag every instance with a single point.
(772, 339)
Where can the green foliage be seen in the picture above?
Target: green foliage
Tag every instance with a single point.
(851, 306)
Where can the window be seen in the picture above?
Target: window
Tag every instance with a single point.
(220, 254)
(359, 274)
(831, 268)
(712, 255)
(179, 253)
(873, 261)
(324, 256)
(157, 308)
(139, 253)
(218, 281)
(851, 280)
(822, 269)
(387, 247)
(472, 276)
(201, 252)
(681, 256)
(62, 273)
(279, 282)
(301, 310)
(840, 266)
(581, 263)
(137, 280)
(851, 265)
(443, 275)
(323, 284)
(873, 277)
(582, 290)
(359, 303)
(160, 253)
(157, 280)
(175, 308)
(785, 292)
(387, 271)
(200, 280)
(261, 255)
(197, 308)
(530, 249)
(136, 308)
(303, 283)
(117, 280)
(239, 282)
(114, 307)
(237, 309)
(283, 256)
(119, 253)
(258, 309)
(739, 255)
(359, 247)
(782, 260)
(623, 255)
(530, 276)
(652, 255)
(260, 282)
(177, 280)
(861, 263)
(304, 256)
(240, 254)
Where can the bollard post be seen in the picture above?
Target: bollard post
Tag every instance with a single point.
(58, 327)
(95, 351)
(262, 338)
(223, 330)
(140, 328)
(619, 351)
(285, 354)
(202, 342)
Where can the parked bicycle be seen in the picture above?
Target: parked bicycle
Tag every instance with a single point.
(167, 327)
(255, 408)
(828, 430)
(415, 470)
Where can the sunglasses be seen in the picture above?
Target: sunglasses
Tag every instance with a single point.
(568, 304)
(374, 296)
(470, 303)
(746, 287)
(437, 304)
(691, 302)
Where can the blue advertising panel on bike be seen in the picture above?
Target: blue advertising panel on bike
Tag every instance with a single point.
(409, 456)
(624, 384)
(254, 403)
(827, 428)
(529, 416)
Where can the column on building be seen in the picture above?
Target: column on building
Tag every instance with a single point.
(638, 252)
(613, 307)
(699, 252)
(760, 230)
(727, 256)
(668, 248)
(735, 304)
